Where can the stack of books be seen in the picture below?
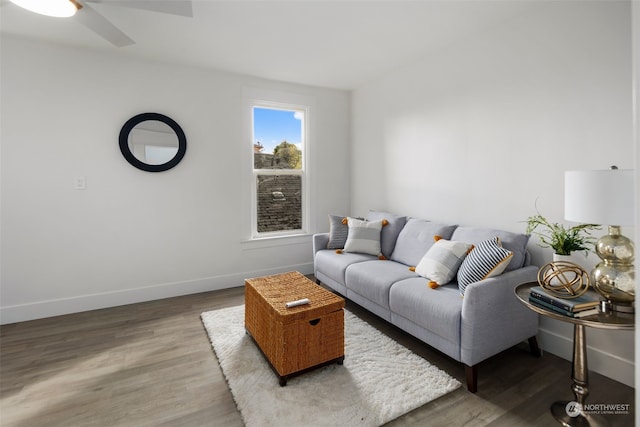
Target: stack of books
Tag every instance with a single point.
(586, 304)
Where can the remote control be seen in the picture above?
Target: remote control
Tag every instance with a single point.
(298, 302)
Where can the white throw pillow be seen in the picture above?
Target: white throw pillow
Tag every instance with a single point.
(363, 237)
(441, 262)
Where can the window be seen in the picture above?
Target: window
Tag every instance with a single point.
(279, 172)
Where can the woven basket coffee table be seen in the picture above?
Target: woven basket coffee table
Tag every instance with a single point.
(297, 339)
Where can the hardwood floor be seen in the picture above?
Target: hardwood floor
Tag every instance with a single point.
(151, 364)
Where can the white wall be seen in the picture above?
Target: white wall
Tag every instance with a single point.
(132, 235)
(476, 132)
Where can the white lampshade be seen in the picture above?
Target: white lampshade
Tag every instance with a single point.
(56, 8)
(599, 197)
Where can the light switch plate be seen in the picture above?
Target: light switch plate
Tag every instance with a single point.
(80, 182)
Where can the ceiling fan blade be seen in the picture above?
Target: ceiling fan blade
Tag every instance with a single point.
(172, 7)
(101, 26)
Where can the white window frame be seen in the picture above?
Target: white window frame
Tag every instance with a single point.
(280, 101)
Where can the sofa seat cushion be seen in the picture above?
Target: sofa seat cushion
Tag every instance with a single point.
(437, 310)
(514, 242)
(372, 279)
(334, 265)
(416, 238)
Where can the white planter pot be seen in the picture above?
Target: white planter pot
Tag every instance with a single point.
(578, 258)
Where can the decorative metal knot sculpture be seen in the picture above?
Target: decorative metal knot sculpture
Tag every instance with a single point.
(563, 279)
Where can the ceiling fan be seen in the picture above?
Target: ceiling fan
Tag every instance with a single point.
(89, 17)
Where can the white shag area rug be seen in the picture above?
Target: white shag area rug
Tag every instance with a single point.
(379, 381)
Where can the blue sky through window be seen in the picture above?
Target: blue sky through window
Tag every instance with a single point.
(271, 127)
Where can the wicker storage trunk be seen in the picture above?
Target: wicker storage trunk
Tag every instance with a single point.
(298, 338)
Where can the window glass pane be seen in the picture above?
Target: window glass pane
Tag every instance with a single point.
(279, 202)
(277, 138)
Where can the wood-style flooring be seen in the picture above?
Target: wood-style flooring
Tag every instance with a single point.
(151, 364)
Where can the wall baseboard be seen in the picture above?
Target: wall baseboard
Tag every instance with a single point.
(58, 307)
(598, 360)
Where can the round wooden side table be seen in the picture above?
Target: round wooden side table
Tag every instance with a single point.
(566, 412)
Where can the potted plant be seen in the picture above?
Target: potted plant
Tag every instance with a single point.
(562, 240)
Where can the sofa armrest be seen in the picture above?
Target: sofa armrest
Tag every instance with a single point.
(320, 241)
(493, 319)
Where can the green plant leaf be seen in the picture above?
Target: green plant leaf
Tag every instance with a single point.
(562, 240)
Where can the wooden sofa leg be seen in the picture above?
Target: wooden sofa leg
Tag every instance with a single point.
(472, 377)
(318, 282)
(533, 347)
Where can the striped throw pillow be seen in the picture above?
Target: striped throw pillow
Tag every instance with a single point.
(364, 236)
(487, 259)
(441, 263)
(338, 232)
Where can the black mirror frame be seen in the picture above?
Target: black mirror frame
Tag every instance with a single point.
(133, 122)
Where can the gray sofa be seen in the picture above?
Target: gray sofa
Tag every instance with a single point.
(471, 328)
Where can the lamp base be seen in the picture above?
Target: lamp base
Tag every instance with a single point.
(614, 276)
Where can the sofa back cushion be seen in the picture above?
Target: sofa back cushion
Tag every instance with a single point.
(416, 238)
(514, 242)
(390, 231)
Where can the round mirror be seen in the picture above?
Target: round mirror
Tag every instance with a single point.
(152, 142)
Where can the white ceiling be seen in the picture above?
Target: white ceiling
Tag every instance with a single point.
(336, 44)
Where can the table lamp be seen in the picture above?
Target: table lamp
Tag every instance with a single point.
(606, 197)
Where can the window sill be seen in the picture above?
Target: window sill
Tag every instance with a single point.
(275, 241)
